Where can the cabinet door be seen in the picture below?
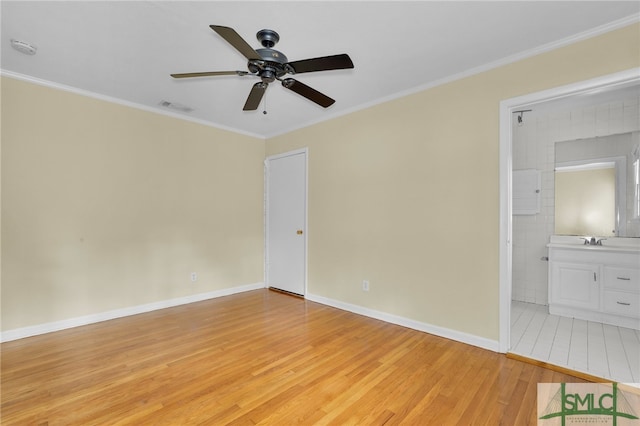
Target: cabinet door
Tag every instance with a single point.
(575, 284)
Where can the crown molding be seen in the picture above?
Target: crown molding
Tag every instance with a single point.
(118, 101)
(594, 32)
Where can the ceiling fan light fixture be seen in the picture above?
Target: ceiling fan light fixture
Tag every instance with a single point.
(24, 47)
(268, 76)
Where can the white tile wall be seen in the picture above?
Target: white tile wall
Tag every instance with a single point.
(533, 148)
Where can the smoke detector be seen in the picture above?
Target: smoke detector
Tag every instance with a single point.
(23, 47)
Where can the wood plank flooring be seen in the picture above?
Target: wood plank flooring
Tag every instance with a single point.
(597, 349)
(261, 357)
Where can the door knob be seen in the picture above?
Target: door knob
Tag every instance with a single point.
(299, 232)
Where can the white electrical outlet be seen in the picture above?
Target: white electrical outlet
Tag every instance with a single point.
(194, 277)
(365, 285)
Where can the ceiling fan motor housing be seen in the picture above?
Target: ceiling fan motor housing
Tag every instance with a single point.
(272, 65)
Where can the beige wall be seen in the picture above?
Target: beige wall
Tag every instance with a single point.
(406, 194)
(106, 207)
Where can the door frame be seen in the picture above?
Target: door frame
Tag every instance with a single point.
(304, 151)
(507, 107)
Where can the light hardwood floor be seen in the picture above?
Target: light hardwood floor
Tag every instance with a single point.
(261, 357)
(601, 350)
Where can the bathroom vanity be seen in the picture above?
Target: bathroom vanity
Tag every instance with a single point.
(595, 282)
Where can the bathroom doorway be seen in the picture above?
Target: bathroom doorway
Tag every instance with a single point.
(523, 304)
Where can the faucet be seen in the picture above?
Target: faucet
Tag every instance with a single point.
(593, 241)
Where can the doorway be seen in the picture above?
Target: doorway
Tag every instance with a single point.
(507, 110)
(286, 221)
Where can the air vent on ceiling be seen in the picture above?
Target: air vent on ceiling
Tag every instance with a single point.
(175, 106)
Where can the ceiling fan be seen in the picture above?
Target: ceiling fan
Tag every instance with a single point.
(269, 65)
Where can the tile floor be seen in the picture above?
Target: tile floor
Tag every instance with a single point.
(590, 347)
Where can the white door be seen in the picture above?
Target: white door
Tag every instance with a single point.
(286, 214)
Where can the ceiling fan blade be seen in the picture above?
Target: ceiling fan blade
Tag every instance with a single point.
(208, 74)
(308, 92)
(325, 63)
(255, 96)
(234, 39)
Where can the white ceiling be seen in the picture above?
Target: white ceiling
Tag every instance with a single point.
(125, 50)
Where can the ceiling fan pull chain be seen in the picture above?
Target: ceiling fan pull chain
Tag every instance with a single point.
(264, 111)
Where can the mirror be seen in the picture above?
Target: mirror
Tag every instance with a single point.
(595, 186)
(585, 199)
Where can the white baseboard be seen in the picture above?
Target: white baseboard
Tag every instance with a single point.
(34, 330)
(470, 339)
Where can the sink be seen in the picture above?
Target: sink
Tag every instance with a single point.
(610, 243)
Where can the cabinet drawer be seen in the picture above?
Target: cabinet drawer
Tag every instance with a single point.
(626, 279)
(621, 303)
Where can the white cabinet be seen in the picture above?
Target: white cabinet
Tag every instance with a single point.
(595, 284)
(526, 192)
(621, 291)
(577, 285)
